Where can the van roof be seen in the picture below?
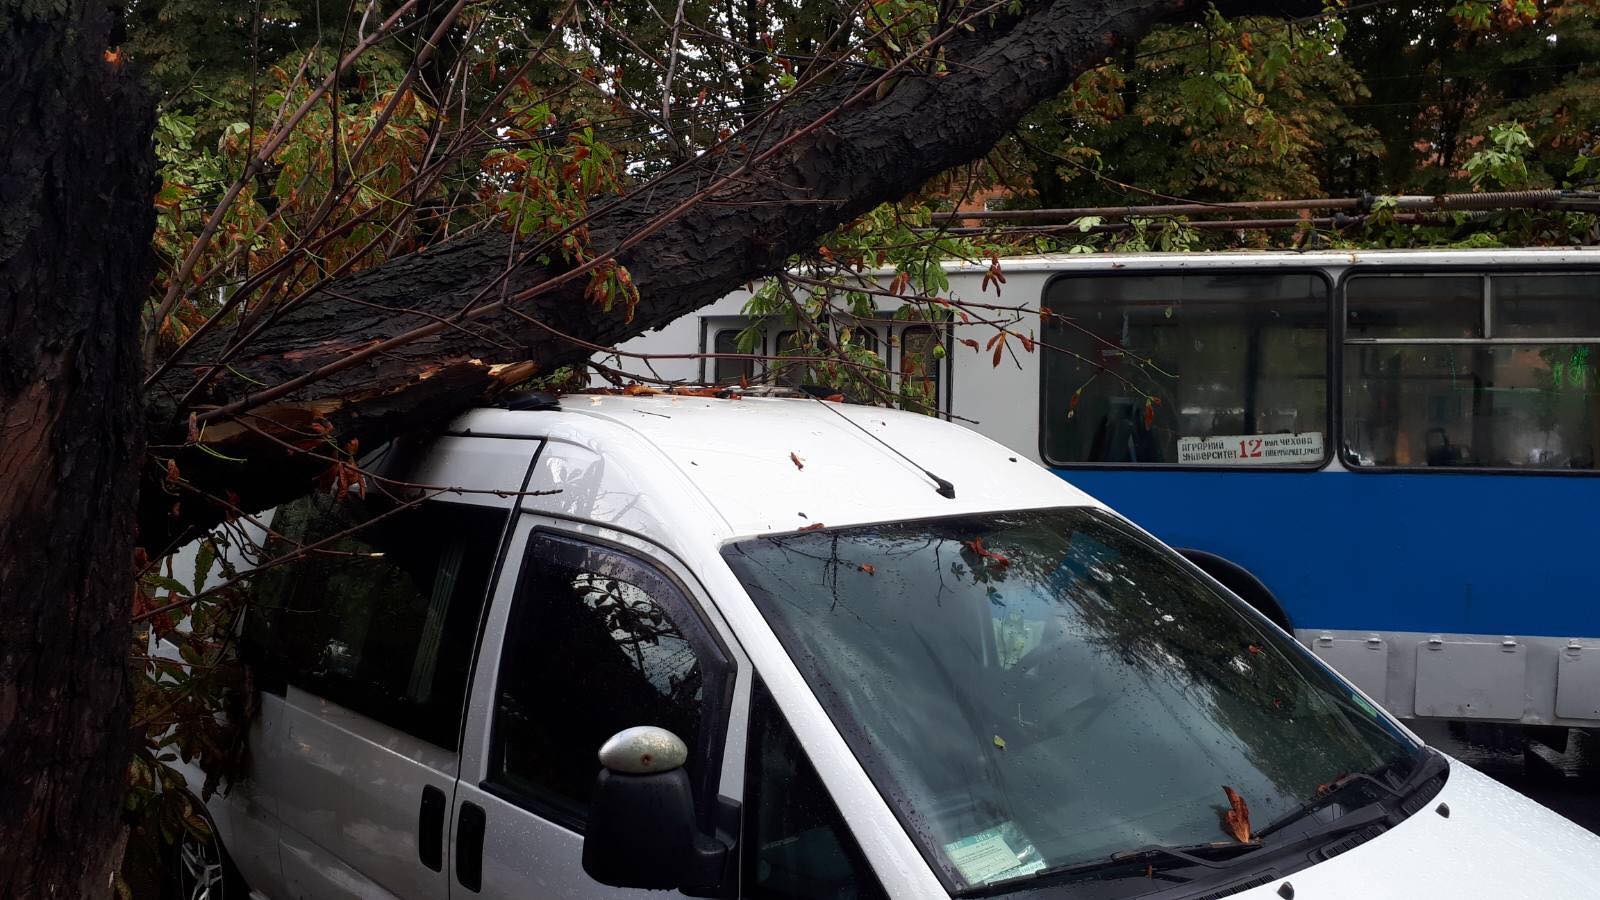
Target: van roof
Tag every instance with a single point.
(769, 465)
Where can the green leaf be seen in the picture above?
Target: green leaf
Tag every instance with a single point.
(164, 582)
(203, 561)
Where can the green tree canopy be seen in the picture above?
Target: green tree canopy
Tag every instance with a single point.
(1379, 98)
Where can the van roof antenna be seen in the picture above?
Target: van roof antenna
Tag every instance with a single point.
(944, 488)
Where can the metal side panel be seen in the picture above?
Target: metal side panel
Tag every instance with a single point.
(1364, 661)
(483, 471)
(1471, 680)
(1578, 682)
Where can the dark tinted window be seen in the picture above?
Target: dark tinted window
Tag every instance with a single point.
(790, 374)
(597, 642)
(1206, 369)
(864, 337)
(382, 620)
(1546, 306)
(919, 365)
(796, 844)
(1414, 306)
(731, 371)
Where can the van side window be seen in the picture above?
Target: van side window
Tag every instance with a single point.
(597, 642)
(381, 620)
(796, 844)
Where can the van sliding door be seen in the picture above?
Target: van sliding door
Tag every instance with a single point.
(367, 635)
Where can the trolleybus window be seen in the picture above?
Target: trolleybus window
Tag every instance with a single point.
(1414, 306)
(862, 336)
(731, 371)
(1199, 369)
(1514, 389)
(790, 374)
(919, 365)
(1546, 306)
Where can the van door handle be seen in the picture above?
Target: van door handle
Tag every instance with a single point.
(430, 828)
(469, 846)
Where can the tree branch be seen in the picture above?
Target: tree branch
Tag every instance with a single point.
(832, 154)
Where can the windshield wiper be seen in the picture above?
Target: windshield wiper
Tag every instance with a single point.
(1354, 820)
(1420, 774)
(1160, 858)
(1221, 855)
(1188, 854)
(1138, 861)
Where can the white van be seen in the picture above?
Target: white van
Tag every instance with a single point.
(822, 652)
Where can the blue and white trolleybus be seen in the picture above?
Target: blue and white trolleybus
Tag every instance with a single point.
(1395, 455)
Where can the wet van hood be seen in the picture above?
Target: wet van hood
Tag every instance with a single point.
(1495, 845)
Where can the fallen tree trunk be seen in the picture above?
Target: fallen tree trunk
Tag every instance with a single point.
(876, 149)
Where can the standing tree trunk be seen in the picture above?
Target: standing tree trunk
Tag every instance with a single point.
(76, 180)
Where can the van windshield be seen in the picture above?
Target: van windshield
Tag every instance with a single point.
(1035, 690)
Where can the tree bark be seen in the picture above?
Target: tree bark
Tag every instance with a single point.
(874, 151)
(76, 180)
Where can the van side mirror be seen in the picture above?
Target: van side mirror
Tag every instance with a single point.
(641, 831)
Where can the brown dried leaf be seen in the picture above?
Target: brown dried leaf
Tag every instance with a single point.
(1236, 819)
